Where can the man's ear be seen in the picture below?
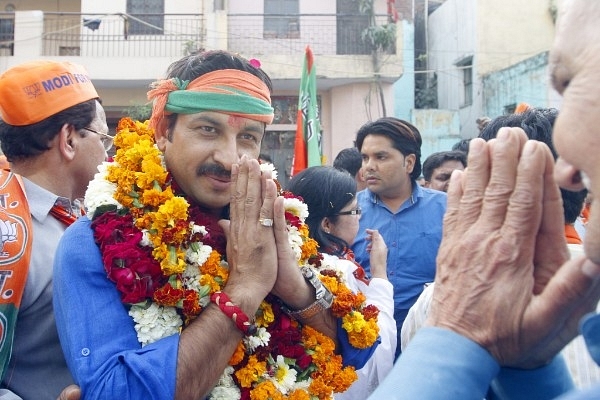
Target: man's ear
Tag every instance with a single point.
(409, 162)
(426, 184)
(161, 136)
(67, 141)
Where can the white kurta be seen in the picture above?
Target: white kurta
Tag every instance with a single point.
(379, 293)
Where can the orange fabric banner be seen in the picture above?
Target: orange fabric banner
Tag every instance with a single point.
(300, 161)
(15, 253)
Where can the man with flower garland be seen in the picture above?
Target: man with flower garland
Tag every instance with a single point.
(53, 133)
(159, 234)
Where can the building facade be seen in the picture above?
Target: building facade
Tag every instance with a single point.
(486, 56)
(127, 44)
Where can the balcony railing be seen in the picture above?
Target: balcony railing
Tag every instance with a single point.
(122, 35)
(289, 34)
(174, 35)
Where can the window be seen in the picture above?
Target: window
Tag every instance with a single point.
(7, 36)
(350, 25)
(466, 67)
(146, 17)
(282, 19)
(468, 85)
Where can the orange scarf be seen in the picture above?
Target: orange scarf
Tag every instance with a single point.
(230, 91)
(16, 238)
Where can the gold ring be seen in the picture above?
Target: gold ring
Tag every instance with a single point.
(266, 221)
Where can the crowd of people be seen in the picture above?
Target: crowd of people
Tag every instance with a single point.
(181, 269)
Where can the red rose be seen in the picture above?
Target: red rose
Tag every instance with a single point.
(304, 361)
(112, 228)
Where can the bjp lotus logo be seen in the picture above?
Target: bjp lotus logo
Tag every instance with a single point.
(13, 237)
(8, 234)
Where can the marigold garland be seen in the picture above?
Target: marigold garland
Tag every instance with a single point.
(166, 258)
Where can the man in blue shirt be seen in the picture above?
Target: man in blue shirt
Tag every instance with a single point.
(506, 294)
(408, 216)
(209, 119)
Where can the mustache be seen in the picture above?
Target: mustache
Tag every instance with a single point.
(214, 170)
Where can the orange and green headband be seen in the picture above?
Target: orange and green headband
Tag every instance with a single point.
(230, 91)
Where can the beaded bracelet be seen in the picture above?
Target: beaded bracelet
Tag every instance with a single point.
(234, 312)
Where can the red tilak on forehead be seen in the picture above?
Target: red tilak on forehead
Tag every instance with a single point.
(235, 122)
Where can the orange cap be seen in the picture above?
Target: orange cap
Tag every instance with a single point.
(33, 91)
(522, 107)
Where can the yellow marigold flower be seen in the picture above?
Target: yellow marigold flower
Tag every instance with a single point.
(152, 172)
(344, 379)
(330, 283)
(212, 264)
(265, 315)
(266, 390)
(320, 389)
(209, 280)
(171, 260)
(251, 372)
(298, 395)
(171, 211)
(343, 304)
(144, 221)
(317, 341)
(125, 179)
(152, 197)
(160, 252)
(238, 354)
(168, 267)
(126, 138)
(309, 247)
(353, 322)
(303, 230)
(361, 333)
(359, 300)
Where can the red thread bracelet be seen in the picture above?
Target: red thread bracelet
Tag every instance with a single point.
(230, 309)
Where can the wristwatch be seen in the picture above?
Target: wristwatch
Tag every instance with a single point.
(324, 298)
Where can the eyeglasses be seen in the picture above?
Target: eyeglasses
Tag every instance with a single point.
(356, 211)
(105, 138)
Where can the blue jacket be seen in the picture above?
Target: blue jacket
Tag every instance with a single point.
(440, 364)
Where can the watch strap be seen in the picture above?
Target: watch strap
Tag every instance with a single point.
(323, 301)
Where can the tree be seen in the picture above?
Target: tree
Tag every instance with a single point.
(380, 38)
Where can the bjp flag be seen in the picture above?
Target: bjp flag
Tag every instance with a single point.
(307, 146)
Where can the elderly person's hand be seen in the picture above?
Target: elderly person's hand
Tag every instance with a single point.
(71, 392)
(502, 276)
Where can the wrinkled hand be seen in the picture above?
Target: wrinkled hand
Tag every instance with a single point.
(71, 392)
(251, 251)
(502, 280)
(378, 252)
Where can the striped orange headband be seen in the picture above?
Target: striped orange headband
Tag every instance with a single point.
(230, 91)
